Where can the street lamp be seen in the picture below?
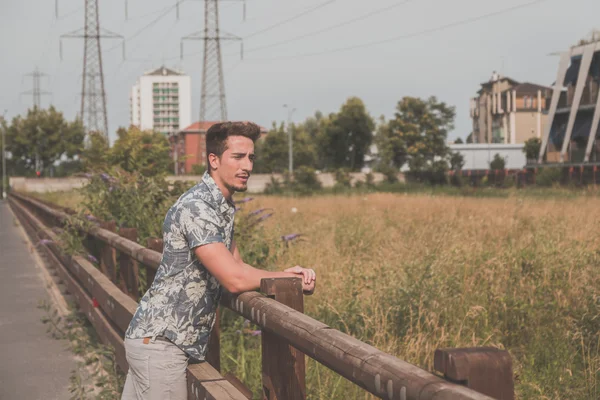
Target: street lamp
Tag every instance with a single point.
(3, 159)
(290, 143)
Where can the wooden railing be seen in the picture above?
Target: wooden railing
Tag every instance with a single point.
(107, 295)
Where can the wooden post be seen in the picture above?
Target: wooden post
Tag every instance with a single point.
(486, 370)
(283, 366)
(108, 254)
(129, 272)
(156, 245)
(213, 356)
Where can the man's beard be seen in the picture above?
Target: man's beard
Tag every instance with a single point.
(237, 188)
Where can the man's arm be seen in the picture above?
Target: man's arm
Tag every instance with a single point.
(238, 277)
(236, 253)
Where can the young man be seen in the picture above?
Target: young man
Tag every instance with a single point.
(174, 318)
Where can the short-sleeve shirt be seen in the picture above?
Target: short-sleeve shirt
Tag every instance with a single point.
(181, 302)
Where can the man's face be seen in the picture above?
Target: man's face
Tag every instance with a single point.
(235, 165)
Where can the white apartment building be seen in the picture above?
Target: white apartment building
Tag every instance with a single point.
(161, 100)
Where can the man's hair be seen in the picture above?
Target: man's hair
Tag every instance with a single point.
(216, 136)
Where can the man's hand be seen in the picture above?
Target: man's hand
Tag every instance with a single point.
(309, 278)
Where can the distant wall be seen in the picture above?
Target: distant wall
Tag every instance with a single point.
(43, 185)
(479, 156)
(256, 184)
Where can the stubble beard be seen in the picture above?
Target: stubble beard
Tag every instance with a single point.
(238, 188)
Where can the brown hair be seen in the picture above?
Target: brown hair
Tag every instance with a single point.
(216, 136)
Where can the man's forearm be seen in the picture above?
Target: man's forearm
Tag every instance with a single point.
(250, 277)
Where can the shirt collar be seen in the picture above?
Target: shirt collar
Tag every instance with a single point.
(225, 207)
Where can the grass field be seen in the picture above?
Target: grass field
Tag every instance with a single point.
(410, 273)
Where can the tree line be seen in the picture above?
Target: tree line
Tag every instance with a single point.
(44, 142)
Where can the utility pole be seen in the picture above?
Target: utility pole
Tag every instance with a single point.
(290, 139)
(3, 159)
(213, 105)
(93, 96)
(36, 92)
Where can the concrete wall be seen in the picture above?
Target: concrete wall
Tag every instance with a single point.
(527, 125)
(43, 185)
(479, 156)
(256, 184)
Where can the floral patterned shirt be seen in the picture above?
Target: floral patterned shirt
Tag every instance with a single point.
(181, 302)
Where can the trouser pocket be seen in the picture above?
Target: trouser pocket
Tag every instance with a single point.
(139, 368)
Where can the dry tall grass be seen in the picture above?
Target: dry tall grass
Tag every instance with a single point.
(410, 274)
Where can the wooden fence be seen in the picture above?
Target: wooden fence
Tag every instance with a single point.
(108, 296)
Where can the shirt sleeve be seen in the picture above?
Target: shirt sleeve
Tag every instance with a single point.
(200, 224)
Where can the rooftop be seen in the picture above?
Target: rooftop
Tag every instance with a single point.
(163, 71)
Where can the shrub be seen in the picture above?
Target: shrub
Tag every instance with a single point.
(342, 178)
(198, 169)
(306, 181)
(548, 177)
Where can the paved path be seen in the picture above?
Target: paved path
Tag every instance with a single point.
(32, 364)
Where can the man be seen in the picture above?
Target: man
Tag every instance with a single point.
(174, 318)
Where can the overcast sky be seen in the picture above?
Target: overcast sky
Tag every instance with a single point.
(437, 51)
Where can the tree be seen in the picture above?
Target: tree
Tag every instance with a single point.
(143, 151)
(43, 138)
(273, 151)
(470, 138)
(345, 137)
(532, 148)
(96, 154)
(498, 162)
(417, 136)
(458, 141)
(457, 161)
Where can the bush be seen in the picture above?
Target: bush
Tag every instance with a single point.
(306, 181)
(497, 163)
(198, 169)
(390, 173)
(273, 187)
(548, 177)
(342, 178)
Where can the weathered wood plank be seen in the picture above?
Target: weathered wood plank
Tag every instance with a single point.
(283, 366)
(205, 382)
(129, 271)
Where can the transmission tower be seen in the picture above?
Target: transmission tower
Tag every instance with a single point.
(36, 92)
(93, 95)
(213, 105)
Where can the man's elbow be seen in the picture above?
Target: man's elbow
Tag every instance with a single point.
(235, 285)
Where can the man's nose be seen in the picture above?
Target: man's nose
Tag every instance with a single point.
(247, 164)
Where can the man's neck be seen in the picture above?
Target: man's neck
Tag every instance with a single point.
(224, 190)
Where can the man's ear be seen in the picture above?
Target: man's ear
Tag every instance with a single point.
(213, 160)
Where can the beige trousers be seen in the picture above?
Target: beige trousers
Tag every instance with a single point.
(157, 371)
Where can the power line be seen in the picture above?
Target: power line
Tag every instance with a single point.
(285, 21)
(150, 24)
(276, 25)
(330, 28)
(409, 35)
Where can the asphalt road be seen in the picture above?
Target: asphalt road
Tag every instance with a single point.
(33, 365)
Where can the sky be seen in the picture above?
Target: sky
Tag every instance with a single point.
(310, 54)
